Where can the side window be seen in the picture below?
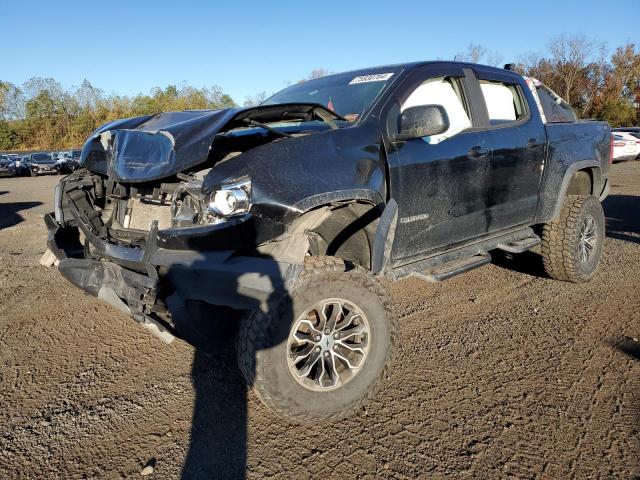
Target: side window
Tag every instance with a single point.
(555, 109)
(445, 91)
(504, 102)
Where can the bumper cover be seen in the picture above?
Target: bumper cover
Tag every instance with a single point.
(135, 280)
(138, 291)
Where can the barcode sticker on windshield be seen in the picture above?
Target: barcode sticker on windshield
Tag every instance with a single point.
(376, 77)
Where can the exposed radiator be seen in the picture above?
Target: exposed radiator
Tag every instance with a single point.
(143, 214)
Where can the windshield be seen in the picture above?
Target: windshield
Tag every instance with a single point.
(347, 94)
(41, 158)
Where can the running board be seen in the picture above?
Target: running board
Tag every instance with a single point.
(451, 269)
(520, 246)
(448, 264)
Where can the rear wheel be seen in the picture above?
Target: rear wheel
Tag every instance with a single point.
(572, 244)
(323, 346)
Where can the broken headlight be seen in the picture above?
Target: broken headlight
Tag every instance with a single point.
(190, 206)
(230, 199)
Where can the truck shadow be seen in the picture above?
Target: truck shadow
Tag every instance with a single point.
(529, 263)
(627, 345)
(622, 213)
(218, 439)
(9, 215)
(630, 347)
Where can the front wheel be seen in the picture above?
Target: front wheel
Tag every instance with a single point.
(323, 346)
(572, 244)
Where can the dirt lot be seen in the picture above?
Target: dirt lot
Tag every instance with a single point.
(500, 373)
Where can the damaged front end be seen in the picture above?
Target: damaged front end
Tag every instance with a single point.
(150, 251)
(147, 227)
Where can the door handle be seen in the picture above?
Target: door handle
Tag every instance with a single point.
(477, 151)
(532, 143)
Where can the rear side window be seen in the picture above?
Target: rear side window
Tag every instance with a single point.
(504, 101)
(555, 109)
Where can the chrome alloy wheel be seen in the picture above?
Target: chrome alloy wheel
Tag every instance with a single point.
(588, 237)
(328, 344)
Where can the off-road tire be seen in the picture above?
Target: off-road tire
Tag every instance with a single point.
(561, 238)
(262, 342)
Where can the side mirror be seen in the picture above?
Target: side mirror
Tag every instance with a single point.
(422, 121)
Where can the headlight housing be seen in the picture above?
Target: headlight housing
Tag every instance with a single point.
(230, 199)
(191, 206)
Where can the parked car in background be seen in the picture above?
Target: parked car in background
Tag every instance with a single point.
(629, 133)
(61, 160)
(71, 161)
(634, 137)
(17, 159)
(75, 155)
(625, 148)
(7, 167)
(21, 166)
(42, 164)
(25, 163)
(633, 130)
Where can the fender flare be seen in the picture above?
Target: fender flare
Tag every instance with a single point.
(323, 199)
(596, 186)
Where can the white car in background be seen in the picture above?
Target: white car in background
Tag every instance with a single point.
(627, 135)
(625, 147)
(635, 131)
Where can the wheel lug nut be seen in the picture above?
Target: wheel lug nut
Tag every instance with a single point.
(335, 335)
(317, 349)
(327, 331)
(335, 347)
(326, 354)
(317, 338)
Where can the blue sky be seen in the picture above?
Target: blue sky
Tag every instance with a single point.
(247, 47)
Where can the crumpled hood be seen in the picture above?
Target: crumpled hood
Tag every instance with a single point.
(154, 146)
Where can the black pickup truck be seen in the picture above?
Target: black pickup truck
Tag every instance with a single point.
(284, 217)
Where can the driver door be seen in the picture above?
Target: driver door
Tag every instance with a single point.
(439, 182)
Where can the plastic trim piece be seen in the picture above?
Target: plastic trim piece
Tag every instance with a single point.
(571, 169)
(383, 241)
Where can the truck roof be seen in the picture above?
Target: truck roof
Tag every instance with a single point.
(417, 64)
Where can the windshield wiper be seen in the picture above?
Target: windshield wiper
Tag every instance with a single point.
(328, 117)
(255, 123)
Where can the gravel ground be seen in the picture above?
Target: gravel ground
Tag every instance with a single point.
(500, 373)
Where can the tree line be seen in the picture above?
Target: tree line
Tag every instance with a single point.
(41, 114)
(597, 83)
